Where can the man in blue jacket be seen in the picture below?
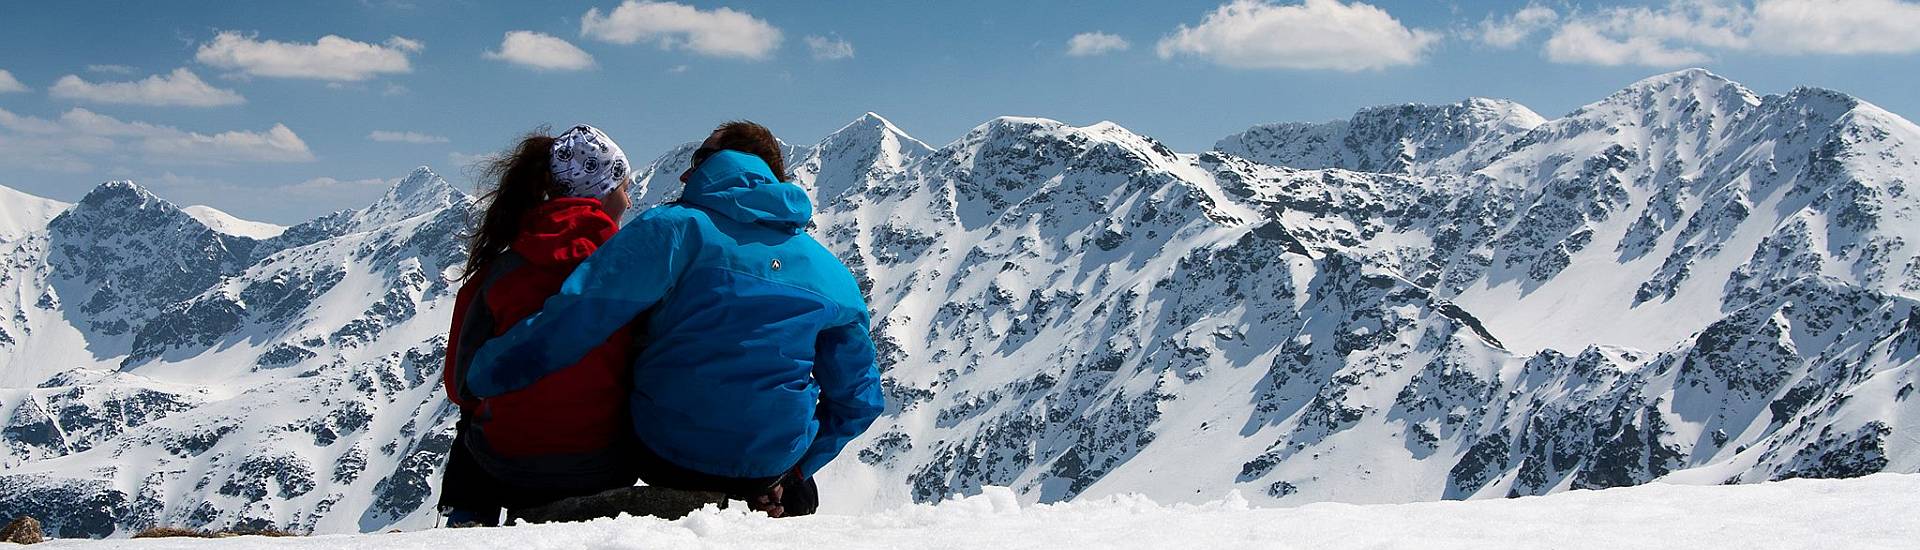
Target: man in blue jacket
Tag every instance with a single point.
(756, 367)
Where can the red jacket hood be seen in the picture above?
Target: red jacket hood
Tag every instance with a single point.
(564, 230)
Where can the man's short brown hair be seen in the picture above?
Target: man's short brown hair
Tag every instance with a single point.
(747, 137)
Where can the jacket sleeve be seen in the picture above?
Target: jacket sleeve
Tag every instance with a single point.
(627, 275)
(850, 397)
(472, 324)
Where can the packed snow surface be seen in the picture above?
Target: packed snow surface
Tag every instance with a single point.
(1868, 512)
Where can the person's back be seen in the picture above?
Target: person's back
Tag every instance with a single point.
(553, 204)
(517, 430)
(757, 366)
(732, 346)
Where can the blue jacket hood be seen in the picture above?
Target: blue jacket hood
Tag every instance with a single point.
(742, 187)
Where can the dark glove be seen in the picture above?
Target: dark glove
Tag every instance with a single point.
(788, 496)
(772, 502)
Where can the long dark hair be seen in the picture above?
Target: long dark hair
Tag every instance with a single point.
(521, 179)
(747, 137)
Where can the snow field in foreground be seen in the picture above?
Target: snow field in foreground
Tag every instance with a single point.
(1871, 512)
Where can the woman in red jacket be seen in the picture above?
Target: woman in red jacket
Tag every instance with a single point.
(554, 201)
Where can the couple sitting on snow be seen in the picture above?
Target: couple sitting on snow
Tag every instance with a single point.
(710, 347)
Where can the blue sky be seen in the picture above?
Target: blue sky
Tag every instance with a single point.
(246, 107)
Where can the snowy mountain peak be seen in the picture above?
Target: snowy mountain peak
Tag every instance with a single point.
(233, 225)
(1017, 124)
(1408, 138)
(850, 157)
(421, 192)
(1677, 94)
(873, 122)
(124, 254)
(872, 129)
(123, 194)
(1822, 100)
(422, 181)
(1027, 145)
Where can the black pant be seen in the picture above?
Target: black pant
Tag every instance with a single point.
(465, 485)
(801, 496)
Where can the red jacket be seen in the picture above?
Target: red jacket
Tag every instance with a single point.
(579, 410)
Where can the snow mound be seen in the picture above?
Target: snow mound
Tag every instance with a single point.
(1868, 512)
(233, 225)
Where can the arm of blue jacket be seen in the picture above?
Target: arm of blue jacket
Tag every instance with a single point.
(627, 275)
(849, 391)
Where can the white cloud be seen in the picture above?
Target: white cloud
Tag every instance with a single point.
(1656, 36)
(387, 136)
(1316, 34)
(1589, 44)
(722, 32)
(325, 185)
(828, 49)
(1837, 27)
(1096, 43)
(462, 160)
(1509, 31)
(331, 58)
(9, 84)
(112, 69)
(541, 52)
(81, 138)
(406, 44)
(180, 88)
(1687, 32)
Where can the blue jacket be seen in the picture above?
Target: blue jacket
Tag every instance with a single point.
(755, 357)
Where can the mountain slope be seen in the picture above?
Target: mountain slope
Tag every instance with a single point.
(200, 425)
(229, 224)
(21, 213)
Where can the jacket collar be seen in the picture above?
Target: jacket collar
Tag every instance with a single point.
(742, 187)
(564, 230)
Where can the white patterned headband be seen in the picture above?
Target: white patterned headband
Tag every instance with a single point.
(587, 163)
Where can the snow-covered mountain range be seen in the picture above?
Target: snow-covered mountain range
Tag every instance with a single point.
(1684, 281)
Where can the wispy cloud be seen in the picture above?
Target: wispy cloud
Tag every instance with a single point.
(1655, 36)
(541, 52)
(829, 48)
(721, 32)
(463, 160)
(386, 136)
(112, 69)
(1096, 43)
(1837, 27)
(81, 138)
(326, 185)
(1509, 31)
(1686, 32)
(9, 84)
(179, 88)
(1317, 34)
(330, 58)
